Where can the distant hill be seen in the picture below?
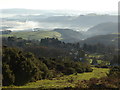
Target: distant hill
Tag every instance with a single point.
(69, 35)
(50, 19)
(102, 29)
(94, 19)
(109, 39)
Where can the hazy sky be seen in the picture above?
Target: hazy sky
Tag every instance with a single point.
(83, 5)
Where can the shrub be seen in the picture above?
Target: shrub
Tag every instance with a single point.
(79, 70)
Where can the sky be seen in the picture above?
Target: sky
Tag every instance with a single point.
(82, 5)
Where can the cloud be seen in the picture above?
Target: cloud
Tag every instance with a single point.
(16, 25)
(30, 25)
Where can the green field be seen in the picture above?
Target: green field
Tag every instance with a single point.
(65, 81)
(35, 35)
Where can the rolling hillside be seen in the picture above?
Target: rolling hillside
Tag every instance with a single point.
(37, 35)
(109, 39)
(69, 35)
(66, 35)
(102, 29)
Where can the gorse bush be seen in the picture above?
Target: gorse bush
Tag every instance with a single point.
(8, 78)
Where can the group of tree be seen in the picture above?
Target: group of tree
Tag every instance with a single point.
(19, 67)
(48, 47)
(98, 48)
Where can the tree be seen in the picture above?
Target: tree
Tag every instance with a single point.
(20, 67)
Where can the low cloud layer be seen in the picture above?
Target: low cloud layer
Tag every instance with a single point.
(30, 25)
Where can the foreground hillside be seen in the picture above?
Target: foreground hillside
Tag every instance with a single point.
(65, 81)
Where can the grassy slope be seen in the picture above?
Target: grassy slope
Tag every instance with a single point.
(35, 35)
(65, 80)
